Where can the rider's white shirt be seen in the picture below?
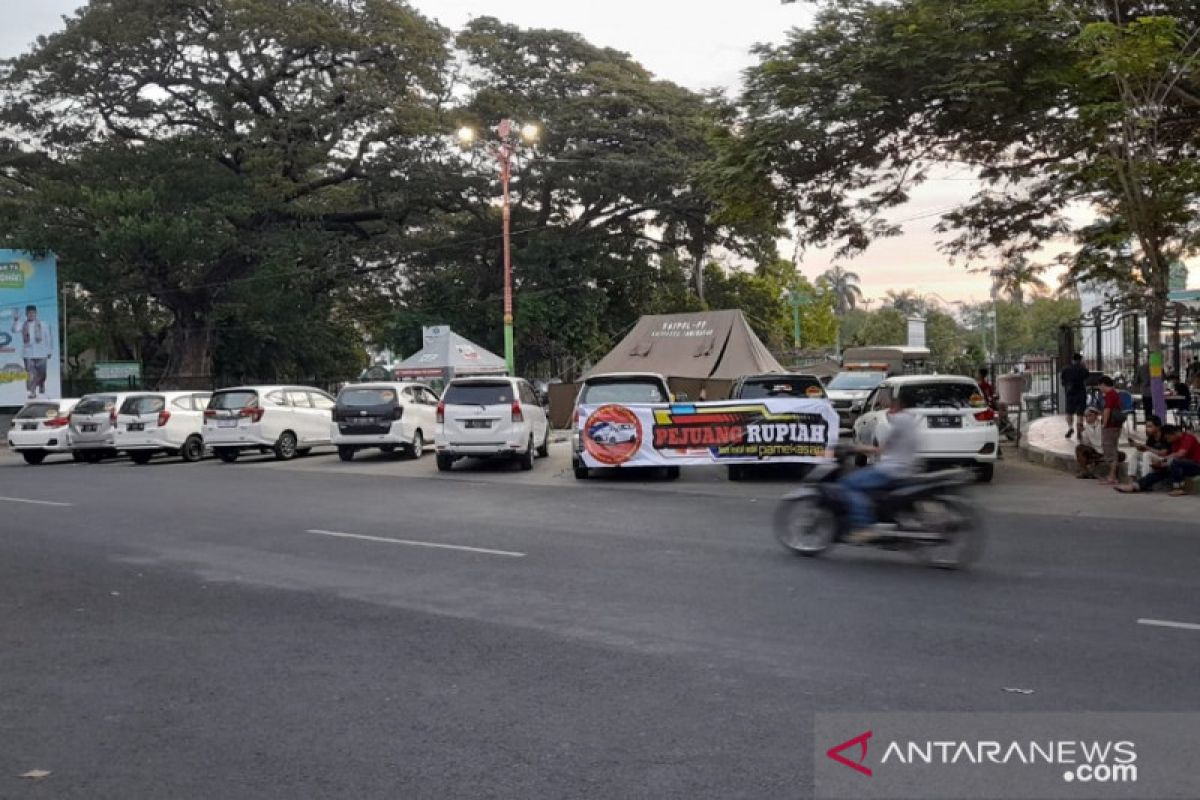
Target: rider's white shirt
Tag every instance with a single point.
(899, 456)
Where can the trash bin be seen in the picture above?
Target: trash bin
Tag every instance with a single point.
(1009, 388)
(1033, 407)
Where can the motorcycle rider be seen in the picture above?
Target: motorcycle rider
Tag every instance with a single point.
(897, 460)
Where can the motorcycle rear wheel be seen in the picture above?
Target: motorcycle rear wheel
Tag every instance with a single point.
(806, 526)
(958, 522)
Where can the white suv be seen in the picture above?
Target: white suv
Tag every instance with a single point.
(384, 415)
(162, 422)
(94, 425)
(284, 420)
(40, 428)
(490, 417)
(956, 426)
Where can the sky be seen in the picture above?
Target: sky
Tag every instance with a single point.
(699, 45)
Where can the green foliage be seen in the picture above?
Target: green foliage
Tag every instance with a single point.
(887, 326)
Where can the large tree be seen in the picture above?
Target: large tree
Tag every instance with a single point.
(207, 153)
(1059, 104)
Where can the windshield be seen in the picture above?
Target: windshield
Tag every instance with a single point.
(137, 406)
(941, 395)
(794, 386)
(367, 396)
(233, 401)
(856, 381)
(95, 405)
(38, 411)
(626, 392)
(478, 394)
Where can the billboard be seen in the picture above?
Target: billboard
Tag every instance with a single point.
(29, 341)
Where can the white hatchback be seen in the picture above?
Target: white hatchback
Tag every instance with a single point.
(490, 418)
(285, 420)
(94, 425)
(389, 416)
(955, 423)
(162, 422)
(40, 428)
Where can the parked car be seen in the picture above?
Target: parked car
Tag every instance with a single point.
(490, 418)
(956, 425)
(41, 428)
(759, 387)
(94, 425)
(848, 391)
(389, 416)
(285, 420)
(622, 388)
(162, 422)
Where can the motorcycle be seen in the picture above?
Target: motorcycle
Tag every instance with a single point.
(924, 515)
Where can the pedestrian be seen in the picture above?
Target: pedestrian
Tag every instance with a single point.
(1074, 381)
(1111, 421)
(1089, 445)
(1158, 448)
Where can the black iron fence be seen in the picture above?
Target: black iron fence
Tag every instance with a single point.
(1038, 381)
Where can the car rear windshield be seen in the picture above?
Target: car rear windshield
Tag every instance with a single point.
(856, 381)
(232, 401)
(478, 394)
(147, 404)
(781, 387)
(38, 411)
(367, 396)
(623, 392)
(95, 405)
(941, 395)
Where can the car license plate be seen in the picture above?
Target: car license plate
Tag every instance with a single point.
(945, 422)
(227, 423)
(136, 426)
(362, 421)
(29, 426)
(88, 428)
(479, 423)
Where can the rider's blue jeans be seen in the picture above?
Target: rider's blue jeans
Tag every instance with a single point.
(854, 489)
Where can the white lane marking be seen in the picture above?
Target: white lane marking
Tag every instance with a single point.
(410, 543)
(35, 502)
(1166, 623)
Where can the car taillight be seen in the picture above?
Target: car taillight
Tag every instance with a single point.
(398, 412)
(441, 413)
(517, 414)
(57, 422)
(987, 415)
(255, 414)
(164, 417)
(210, 413)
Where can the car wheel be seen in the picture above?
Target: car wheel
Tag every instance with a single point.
(526, 458)
(444, 462)
(141, 456)
(736, 472)
(345, 453)
(417, 448)
(985, 472)
(285, 447)
(33, 457)
(192, 450)
(544, 450)
(227, 454)
(582, 473)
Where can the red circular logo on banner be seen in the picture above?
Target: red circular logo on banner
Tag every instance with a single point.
(612, 435)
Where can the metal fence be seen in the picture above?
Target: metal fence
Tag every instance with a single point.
(79, 386)
(1041, 378)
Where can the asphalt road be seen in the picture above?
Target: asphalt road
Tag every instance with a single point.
(265, 630)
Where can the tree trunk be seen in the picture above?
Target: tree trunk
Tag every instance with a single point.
(1154, 321)
(190, 363)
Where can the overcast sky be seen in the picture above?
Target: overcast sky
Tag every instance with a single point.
(699, 45)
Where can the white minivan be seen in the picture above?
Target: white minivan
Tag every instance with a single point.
(285, 420)
(490, 418)
(94, 425)
(162, 422)
(40, 428)
(389, 416)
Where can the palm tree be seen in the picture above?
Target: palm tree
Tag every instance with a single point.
(1016, 274)
(844, 287)
(907, 302)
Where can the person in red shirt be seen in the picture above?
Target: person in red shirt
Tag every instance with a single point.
(1184, 461)
(989, 391)
(1111, 422)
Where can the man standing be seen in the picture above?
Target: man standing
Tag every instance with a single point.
(1111, 422)
(34, 336)
(1074, 380)
(985, 386)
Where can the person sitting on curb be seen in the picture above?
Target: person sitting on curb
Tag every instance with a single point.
(1182, 463)
(1088, 452)
(1159, 448)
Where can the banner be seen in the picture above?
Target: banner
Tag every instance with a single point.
(772, 430)
(29, 344)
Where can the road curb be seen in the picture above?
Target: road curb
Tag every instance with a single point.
(1061, 461)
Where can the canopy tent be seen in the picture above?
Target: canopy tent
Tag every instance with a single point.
(705, 345)
(447, 355)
